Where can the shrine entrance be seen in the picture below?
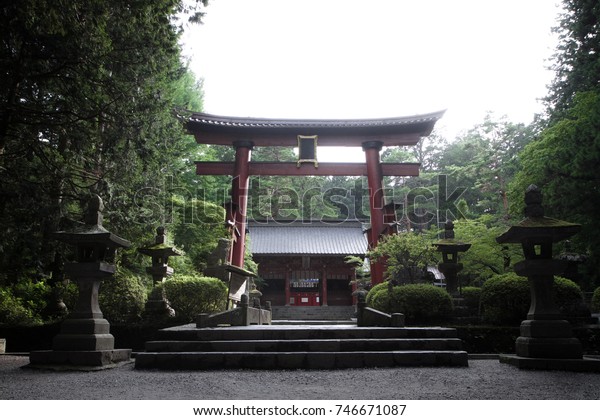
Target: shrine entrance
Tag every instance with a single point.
(369, 134)
(302, 263)
(304, 299)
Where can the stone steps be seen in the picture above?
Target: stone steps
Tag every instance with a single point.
(300, 332)
(330, 345)
(313, 312)
(297, 360)
(300, 347)
(313, 322)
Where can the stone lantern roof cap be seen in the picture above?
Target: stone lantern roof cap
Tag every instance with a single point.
(160, 250)
(449, 243)
(536, 226)
(160, 247)
(92, 235)
(539, 228)
(92, 231)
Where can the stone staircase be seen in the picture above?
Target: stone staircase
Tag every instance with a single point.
(324, 313)
(462, 314)
(300, 347)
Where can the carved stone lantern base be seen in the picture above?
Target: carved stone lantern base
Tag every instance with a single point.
(158, 307)
(79, 360)
(550, 339)
(585, 364)
(84, 341)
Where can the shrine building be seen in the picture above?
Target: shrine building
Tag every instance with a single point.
(302, 263)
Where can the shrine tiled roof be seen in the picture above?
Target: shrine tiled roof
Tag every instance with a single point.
(307, 238)
(395, 131)
(246, 122)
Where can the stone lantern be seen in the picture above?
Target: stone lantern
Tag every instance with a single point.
(450, 247)
(157, 304)
(84, 339)
(546, 340)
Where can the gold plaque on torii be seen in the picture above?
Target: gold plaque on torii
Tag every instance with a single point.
(307, 150)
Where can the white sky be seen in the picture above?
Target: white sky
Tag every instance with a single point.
(376, 58)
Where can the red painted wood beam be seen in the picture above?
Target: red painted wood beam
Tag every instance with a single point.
(291, 169)
(291, 140)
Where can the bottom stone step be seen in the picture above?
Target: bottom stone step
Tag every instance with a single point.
(311, 322)
(344, 345)
(297, 360)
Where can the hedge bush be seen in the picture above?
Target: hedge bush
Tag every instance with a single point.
(374, 290)
(506, 298)
(122, 297)
(380, 300)
(569, 298)
(192, 295)
(418, 302)
(596, 301)
(472, 298)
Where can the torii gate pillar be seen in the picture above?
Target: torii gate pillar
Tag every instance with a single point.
(375, 182)
(239, 197)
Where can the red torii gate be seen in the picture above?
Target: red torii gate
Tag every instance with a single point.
(370, 134)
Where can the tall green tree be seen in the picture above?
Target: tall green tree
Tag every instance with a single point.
(562, 163)
(563, 160)
(484, 160)
(576, 61)
(87, 97)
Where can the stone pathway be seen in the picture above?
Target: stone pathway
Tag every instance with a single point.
(482, 380)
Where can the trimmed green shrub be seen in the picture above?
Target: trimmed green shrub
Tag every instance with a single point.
(569, 298)
(506, 298)
(380, 300)
(122, 297)
(193, 295)
(596, 300)
(472, 297)
(418, 302)
(374, 290)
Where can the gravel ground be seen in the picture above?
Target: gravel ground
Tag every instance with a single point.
(482, 380)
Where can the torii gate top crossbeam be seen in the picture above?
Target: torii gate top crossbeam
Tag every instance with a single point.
(399, 131)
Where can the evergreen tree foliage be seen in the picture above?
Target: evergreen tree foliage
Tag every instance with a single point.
(563, 160)
(485, 257)
(88, 93)
(484, 160)
(576, 62)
